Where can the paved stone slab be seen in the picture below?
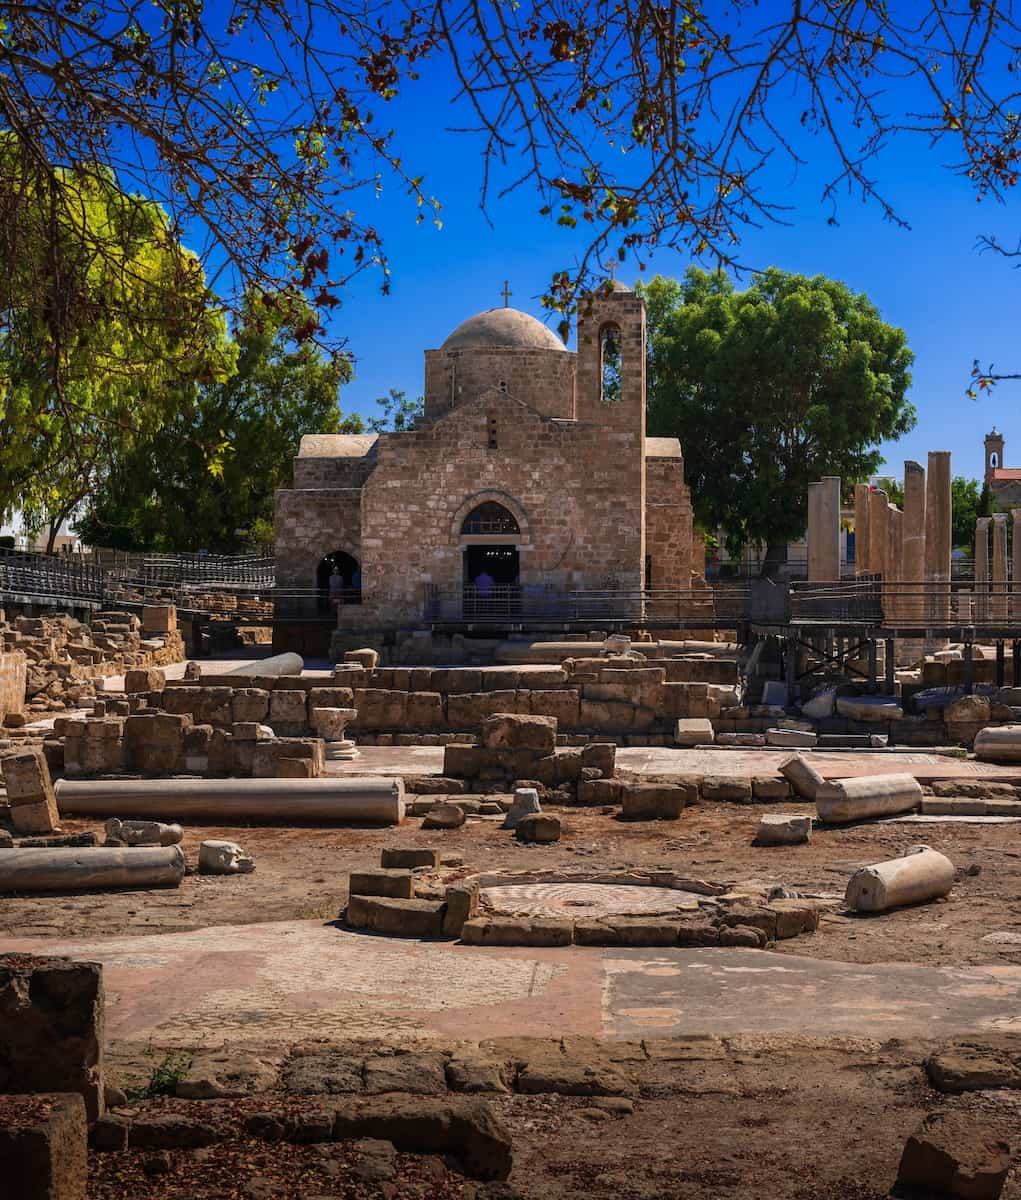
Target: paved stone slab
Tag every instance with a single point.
(296, 981)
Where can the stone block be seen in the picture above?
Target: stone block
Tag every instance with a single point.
(444, 816)
(462, 900)
(457, 680)
(399, 918)
(562, 704)
(409, 857)
(511, 731)
(693, 731)
(727, 788)
(30, 793)
(380, 708)
(251, 704)
(425, 711)
(598, 792)
(783, 829)
(770, 789)
(288, 711)
(790, 737)
(967, 1069)
(601, 756)
(954, 1154)
(794, 917)
(396, 882)
(606, 716)
(51, 1034)
(43, 1147)
(652, 801)
(517, 931)
(159, 618)
(144, 679)
(538, 827)
(628, 931)
(462, 761)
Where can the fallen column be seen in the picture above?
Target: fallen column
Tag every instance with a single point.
(323, 799)
(63, 870)
(999, 743)
(869, 796)
(802, 776)
(279, 664)
(922, 874)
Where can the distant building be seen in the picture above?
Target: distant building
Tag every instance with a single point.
(1004, 482)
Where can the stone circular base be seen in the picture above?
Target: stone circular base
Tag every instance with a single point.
(585, 900)
(341, 751)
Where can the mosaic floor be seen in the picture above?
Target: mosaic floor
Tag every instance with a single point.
(585, 900)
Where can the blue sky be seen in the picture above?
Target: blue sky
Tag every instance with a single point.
(955, 303)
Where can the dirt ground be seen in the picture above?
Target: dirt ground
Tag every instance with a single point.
(301, 873)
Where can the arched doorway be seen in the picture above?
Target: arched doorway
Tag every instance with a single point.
(492, 568)
(338, 581)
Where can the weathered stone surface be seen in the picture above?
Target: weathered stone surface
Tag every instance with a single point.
(171, 1132)
(766, 787)
(517, 931)
(444, 816)
(472, 1070)
(422, 1074)
(802, 776)
(508, 731)
(790, 737)
(821, 705)
(869, 708)
(396, 882)
(694, 731)
(596, 792)
(144, 679)
(43, 1147)
(953, 1154)
(462, 900)
(51, 1031)
(143, 833)
(747, 936)
(30, 793)
(526, 802)
(408, 857)
(467, 1129)
(920, 874)
(400, 918)
(538, 827)
(972, 1069)
(313, 1070)
(600, 755)
(652, 801)
(570, 1075)
(783, 829)
(216, 1074)
(728, 788)
(628, 931)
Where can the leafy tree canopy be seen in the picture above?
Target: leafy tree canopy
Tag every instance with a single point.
(398, 412)
(768, 390)
(103, 318)
(206, 479)
(642, 124)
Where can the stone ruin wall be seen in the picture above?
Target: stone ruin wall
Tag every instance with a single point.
(310, 525)
(669, 524)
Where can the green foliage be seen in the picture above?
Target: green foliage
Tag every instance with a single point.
(206, 480)
(398, 412)
(966, 499)
(893, 488)
(986, 501)
(104, 318)
(770, 389)
(164, 1077)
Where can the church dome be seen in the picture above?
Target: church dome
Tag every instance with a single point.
(502, 327)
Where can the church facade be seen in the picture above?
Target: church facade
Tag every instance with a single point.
(528, 478)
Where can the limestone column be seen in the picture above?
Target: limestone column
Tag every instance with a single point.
(982, 569)
(877, 532)
(1015, 581)
(861, 528)
(913, 551)
(998, 599)
(892, 587)
(938, 531)
(824, 530)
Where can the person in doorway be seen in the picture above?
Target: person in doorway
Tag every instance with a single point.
(336, 588)
(484, 584)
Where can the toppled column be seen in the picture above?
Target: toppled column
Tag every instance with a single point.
(143, 833)
(30, 793)
(824, 530)
(982, 569)
(938, 535)
(912, 570)
(279, 664)
(921, 874)
(998, 595)
(861, 528)
(999, 743)
(323, 799)
(868, 796)
(77, 870)
(802, 776)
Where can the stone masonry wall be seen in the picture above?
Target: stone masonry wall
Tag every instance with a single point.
(542, 379)
(578, 487)
(668, 524)
(311, 524)
(12, 683)
(337, 472)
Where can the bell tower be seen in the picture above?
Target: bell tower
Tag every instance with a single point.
(994, 453)
(610, 388)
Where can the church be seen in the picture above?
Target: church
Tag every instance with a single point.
(527, 481)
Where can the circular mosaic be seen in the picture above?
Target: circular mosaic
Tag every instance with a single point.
(585, 900)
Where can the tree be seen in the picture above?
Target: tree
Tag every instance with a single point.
(398, 412)
(79, 386)
(644, 125)
(770, 389)
(206, 479)
(967, 503)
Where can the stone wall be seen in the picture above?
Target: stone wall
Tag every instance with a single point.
(311, 524)
(668, 525)
(542, 379)
(12, 682)
(339, 471)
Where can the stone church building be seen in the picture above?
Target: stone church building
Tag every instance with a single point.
(1004, 481)
(528, 478)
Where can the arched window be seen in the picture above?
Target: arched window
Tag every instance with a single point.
(339, 579)
(994, 460)
(609, 364)
(489, 517)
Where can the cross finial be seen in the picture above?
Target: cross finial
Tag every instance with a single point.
(506, 293)
(613, 269)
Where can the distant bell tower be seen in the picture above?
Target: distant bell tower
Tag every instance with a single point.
(994, 453)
